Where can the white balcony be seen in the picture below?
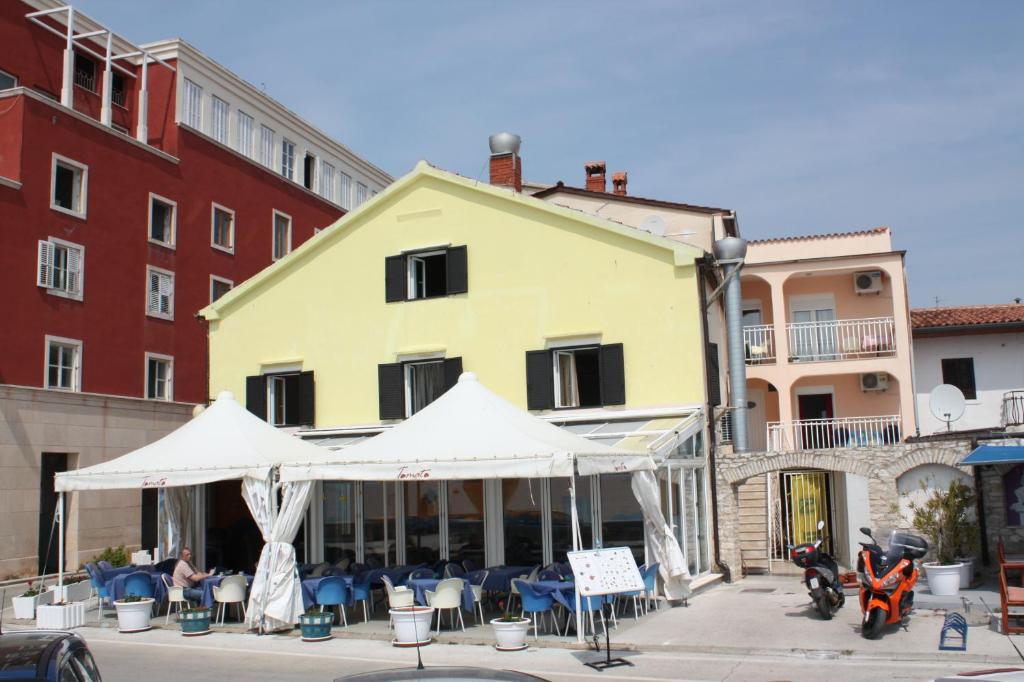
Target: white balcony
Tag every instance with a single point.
(838, 432)
(1013, 408)
(830, 340)
(759, 343)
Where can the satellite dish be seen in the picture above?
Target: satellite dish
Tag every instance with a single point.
(653, 224)
(947, 403)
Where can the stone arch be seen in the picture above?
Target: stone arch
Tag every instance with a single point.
(846, 461)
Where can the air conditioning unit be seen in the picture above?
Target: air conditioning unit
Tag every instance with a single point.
(874, 381)
(867, 282)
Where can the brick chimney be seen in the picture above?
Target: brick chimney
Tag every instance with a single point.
(506, 166)
(619, 183)
(595, 176)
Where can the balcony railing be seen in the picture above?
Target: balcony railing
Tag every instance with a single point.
(841, 339)
(839, 432)
(759, 343)
(1013, 408)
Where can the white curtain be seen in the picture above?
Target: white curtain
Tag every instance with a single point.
(275, 601)
(661, 542)
(175, 520)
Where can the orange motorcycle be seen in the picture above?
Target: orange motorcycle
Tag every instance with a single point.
(887, 578)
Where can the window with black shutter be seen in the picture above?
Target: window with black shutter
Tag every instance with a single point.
(426, 274)
(584, 376)
(960, 373)
(405, 388)
(283, 399)
(714, 377)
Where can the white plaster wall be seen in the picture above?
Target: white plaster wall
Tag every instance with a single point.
(998, 368)
(918, 484)
(857, 513)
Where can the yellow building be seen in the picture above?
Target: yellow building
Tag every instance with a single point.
(589, 323)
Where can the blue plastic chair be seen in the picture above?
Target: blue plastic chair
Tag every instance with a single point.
(138, 584)
(422, 573)
(98, 586)
(587, 605)
(333, 591)
(105, 565)
(361, 591)
(535, 604)
(650, 576)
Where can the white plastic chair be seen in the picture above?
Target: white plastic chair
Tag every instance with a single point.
(230, 591)
(175, 596)
(514, 592)
(478, 595)
(397, 597)
(447, 596)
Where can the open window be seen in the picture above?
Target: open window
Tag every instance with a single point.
(63, 364)
(575, 377)
(960, 373)
(69, 187)
(60, 268)
(163, 219)
(222, 229)
(159, 376)
(426, 274)
(282, 398)
(405, 388)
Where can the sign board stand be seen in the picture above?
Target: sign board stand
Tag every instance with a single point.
(601, 572)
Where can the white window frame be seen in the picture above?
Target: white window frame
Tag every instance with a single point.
(214, 207)
(556, 374)
(192, 112)
(413, 260)
(327, 180)
(76, 370)
(243, 141)
(345, 198)
(47, 281)
(219, 117)
(11, 76)
(151, 270)
(83, 185)
(169, 359)
(267, 146)
(362, 194)
(407, 365)
(273, 235)
(287, 144)
(222, 280)
(172, 244)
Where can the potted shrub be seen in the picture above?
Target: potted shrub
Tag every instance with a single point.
(133, 613)
(510, 631)
(25, 605)
(316, 625)
(195, 621)
(412, 625)
(944, 517)
(60, 615)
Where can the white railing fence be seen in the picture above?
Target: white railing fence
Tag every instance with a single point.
(1013, 408)
(759, 343)
(839, 432)
(841, 339)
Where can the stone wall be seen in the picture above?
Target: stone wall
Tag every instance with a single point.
(997, 525)
(90, 429)
(880, 465)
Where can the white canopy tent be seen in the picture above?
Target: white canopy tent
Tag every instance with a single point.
(224, 442)
(469, 433)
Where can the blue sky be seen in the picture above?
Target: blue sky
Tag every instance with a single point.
(805, 117)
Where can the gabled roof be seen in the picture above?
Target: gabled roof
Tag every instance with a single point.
(974, 316)
(683, 254)
(561, 188)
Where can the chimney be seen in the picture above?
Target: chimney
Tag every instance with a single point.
(619, 183)
(595, 176)
(506, 167)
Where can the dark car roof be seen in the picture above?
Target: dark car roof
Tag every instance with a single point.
(24, 654)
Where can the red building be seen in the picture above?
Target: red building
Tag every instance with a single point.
(136, 184)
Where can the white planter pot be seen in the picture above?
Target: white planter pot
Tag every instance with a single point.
(79, 591)
(966, 572)
(943, 581)
(60, 616)
(412, 625)
(25, 607)
(510, 636)
(134, 616)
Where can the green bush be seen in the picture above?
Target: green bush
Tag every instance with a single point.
(945, 518)
(117, 556)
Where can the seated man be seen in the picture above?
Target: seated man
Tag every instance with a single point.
(186, 575)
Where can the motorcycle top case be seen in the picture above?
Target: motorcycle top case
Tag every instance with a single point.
(913, 545)
(804, 556)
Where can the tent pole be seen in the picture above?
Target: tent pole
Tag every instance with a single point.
(576, 541)
(60, 546)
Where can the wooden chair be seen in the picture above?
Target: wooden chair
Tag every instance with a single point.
(1011, 598)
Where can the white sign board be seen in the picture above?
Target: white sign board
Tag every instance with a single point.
(605, 571)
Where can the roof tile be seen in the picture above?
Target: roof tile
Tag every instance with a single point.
(967, 316)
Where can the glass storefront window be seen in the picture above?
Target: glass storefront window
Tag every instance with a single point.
(379, 523)
(524, 545)
(561, 516)
(702, 520)
(466, 522)
(622, 521)
(339, 521)
(422, 537)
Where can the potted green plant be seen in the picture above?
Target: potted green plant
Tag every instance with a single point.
(195, 621)
(134, 613)
(945, 518)
(316, 624)
(510, 630)
(25, 605)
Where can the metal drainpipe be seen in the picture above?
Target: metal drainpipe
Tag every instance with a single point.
(729, 252)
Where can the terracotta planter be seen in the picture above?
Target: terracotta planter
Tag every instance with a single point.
(134, 616)
(510, 635)
(943, 581)
(412, 625)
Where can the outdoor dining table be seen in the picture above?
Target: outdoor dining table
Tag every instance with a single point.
(563, 592)
(208, 584)
(420, 587)
(115, 586)
(499, 578)
(310, 585)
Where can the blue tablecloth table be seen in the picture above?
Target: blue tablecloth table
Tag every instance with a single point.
(115, 587)
(499, 578)
(420, 587)
(309, 586)
(562, 592)
(208, 584)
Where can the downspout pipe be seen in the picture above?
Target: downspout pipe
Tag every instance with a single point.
(729, 253)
